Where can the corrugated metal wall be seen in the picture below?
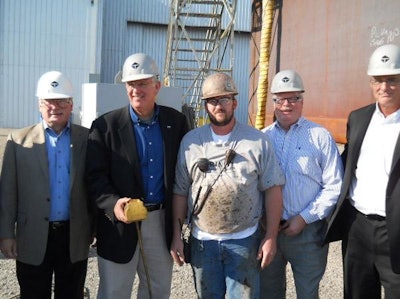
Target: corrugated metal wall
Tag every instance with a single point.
(142, 27)
(85, 38)
(38, 36)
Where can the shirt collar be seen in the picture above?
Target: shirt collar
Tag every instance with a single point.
(296, 124)
(392, 118)
(47, 127)
(136, 120)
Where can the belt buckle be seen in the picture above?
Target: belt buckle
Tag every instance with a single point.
(57, 224)
(154, 207)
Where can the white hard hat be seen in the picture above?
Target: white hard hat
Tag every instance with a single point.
(287, 81)
(218, 84)
(385, 60)
(54, 85)
(139, 66)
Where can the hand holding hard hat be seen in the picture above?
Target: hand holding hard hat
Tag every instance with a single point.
(135, 210)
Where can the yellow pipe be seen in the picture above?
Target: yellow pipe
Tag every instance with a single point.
(265, 46)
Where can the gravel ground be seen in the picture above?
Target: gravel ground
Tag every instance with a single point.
(182, 280)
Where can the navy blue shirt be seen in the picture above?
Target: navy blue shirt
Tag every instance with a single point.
(151, 152)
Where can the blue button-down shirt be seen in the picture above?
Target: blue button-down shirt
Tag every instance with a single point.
(59, 157)
(310, 159)
(151, 152)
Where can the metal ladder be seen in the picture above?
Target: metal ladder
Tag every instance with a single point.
(200, 41)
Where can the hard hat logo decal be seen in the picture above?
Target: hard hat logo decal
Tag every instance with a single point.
(287, 81)
(385, 59)
(139, 66)
(54, 85)
(218, 84)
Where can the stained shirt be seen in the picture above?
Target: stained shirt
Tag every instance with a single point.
(313, 169)
(368, 186)
(234, 204)
(151, 152)
(59, 158)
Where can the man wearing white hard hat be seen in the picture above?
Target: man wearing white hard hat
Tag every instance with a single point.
(310, 159)
(367, 216)
(132, 155)
(45, 213)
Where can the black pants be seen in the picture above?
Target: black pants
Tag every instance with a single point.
(367, 264)
(36, 281)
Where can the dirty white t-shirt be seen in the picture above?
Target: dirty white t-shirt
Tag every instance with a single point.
(234, 205)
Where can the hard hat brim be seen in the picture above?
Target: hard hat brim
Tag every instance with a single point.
(137, 77)
(383, 72)
(288, 89)
(54, 96)
(219, 94)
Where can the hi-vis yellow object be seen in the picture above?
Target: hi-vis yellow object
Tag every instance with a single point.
(135, 210)
(265, 52)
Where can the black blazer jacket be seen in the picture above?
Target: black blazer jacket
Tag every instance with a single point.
(113, 172)
(340, 220)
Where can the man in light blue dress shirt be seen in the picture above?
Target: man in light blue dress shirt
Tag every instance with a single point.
(310, 160)
(46, 218)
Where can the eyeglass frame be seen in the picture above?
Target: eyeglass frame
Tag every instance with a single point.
(224, 100)
(290, 100)
(390, 81)
(62, 103)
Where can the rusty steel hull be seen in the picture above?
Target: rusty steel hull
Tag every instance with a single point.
(329, 44)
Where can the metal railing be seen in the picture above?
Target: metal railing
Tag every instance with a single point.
(200, 41)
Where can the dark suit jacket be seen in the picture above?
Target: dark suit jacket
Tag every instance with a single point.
(25, 194)
(339, 222)
(113, 166)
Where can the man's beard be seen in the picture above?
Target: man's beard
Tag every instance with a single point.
(222, 123)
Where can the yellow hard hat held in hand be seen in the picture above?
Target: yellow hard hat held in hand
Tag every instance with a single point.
(135, 210)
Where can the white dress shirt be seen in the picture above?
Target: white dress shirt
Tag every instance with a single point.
(368, 187)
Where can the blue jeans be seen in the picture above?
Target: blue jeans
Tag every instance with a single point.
(307, 259)
(226, 267)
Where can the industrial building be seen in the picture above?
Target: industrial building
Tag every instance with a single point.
(88, 40)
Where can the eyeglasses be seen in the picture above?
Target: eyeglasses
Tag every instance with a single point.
(140, 84)
(291, 100)
(391, 81)
(62, 103)
(220, 101)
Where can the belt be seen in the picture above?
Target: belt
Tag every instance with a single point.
(375, 217)
(154, 206)
(54, 225)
